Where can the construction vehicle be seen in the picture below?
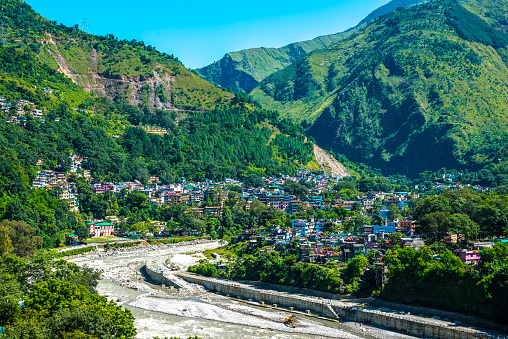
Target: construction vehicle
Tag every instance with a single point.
(289, 321)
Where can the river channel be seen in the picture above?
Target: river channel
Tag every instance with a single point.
(166, 312)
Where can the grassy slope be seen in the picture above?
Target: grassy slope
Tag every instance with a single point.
(261, 62)
(115, 59)
(493, 11)
(405, 83)
(242, 70)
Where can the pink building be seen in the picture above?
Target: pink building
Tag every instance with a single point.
(101, 229)
(468, 256)
(346, 207)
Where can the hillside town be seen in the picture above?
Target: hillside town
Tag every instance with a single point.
(319, 240)
(18, 111)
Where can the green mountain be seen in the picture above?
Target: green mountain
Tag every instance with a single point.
(243, 70)
(123, 71)
(46, 116)
(208, 132)
(392, 6)
(493, 11)
(417, 89)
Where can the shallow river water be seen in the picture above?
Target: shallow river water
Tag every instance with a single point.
(171, 313)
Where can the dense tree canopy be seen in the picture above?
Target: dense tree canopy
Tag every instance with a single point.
(47, 298)
(416, 277)
(464, 212)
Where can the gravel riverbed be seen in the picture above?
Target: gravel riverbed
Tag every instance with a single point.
(170, 312)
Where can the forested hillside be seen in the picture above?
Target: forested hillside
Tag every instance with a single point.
(492, 11)
(211, 127)
(127, 72)
(228, 139)
(45, 118)
(243, 70)
(418, 89)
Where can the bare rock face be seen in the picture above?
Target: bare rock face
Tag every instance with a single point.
(329, 163)
(130, 90)
(134, 90)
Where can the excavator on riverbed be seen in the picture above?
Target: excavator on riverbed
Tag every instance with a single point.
(289, 321)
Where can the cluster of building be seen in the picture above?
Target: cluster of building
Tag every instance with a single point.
(208, 198)
(53, 179)
(319, 181)
(21, 109)
(473, 254)
(214, 194)
(317, 247)
(109, 227)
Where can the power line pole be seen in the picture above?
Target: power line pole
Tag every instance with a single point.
(2, 33)
(84, 25)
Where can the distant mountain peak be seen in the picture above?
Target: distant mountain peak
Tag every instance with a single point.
(391, 7)
(243, 70)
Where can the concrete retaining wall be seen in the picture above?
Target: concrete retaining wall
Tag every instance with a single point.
(443, 314)
(298, 290)
(406, 324)
(411, 326)
(272, 298)
(157, 275)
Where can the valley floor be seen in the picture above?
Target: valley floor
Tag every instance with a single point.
(171, 312)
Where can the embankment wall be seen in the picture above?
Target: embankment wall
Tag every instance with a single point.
(157, 275)
(406, 324)
(414, 327)
(235, 290)
(430, 312)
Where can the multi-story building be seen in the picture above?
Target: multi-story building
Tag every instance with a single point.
(468, 257)
(315, 201)
(100, 229)
(398, 201)
(300, 226)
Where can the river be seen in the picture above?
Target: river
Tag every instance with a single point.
(171, 313)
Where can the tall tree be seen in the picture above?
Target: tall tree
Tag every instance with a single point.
(5, 241)
(21, 235)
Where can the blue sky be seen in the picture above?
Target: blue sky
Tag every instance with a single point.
(200, 32)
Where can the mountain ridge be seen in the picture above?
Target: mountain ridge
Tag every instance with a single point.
(121, 70)
(243, 70)
(402, 84)
(391, 7)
